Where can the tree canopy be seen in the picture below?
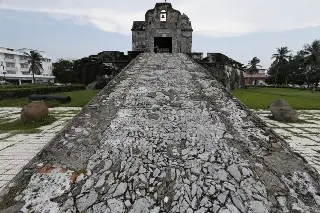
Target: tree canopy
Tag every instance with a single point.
(300, 68)
(34, 59)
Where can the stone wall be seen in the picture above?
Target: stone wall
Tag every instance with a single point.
(139, 42)
(186, 41)
(177, 26)
(196, 56)
(226, 70)
(101, 67)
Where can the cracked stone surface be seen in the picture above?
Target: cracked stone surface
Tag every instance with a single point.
(303, 137)
(165, 137)
(16, 150)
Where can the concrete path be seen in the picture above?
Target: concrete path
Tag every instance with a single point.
(165, 137)
(16, 150)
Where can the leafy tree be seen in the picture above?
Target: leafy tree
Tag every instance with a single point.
(312, 61)
(34, 59)
(311, 53)
(63, 71)
(253, 67)
(295, 70)
(281, 60)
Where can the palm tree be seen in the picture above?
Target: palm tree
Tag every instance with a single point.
(34, 59)
(312, 53)
(311, 58)
(253, 67)
(281, 59)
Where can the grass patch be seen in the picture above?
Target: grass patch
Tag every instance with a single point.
(27, 131)
(78, 99)
(18, 132)
(260, 98)
(26, 127)
(65, 113)
(8, 200)
(4, 120)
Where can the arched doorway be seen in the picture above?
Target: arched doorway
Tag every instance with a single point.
(163, 44)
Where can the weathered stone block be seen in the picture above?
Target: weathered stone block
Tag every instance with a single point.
(282, 111)
(34, 111)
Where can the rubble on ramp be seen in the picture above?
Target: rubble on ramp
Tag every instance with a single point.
(164, 136)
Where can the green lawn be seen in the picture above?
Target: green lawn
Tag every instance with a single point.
(18, 124)
(259, 98)
(78, 99)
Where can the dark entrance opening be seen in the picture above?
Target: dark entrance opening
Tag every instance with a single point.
(163, 45)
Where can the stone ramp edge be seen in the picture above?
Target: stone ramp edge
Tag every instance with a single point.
(262, 124)
(270, 178)
(20, 181)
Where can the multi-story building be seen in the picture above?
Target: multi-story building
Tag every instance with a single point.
(256, 78)
(14, 66)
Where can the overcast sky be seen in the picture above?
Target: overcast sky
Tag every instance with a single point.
(240, 29)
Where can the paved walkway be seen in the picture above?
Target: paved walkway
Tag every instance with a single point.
(303, 137)
(165, 137)
(16, 150)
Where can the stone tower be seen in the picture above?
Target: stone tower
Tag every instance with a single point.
(164, 30)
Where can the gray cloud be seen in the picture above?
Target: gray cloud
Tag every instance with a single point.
(214, 18)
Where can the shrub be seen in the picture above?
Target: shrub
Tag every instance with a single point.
(283, 86)
(24, 92)
(13, 86)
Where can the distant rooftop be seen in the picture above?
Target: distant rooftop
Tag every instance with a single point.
(21, 51)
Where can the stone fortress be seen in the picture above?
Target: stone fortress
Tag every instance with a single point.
(164, 136)
(164, 30)
(167, 30)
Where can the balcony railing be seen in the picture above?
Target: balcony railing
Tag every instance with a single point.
(14, 69)
(256, 75)
(10, 60)
(22, 61)
(24, 69)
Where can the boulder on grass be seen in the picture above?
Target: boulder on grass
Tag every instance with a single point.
(281, 111)
(34, 111)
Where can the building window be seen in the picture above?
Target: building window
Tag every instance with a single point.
(8, 64)
(24, 65)
(9, 56)
(163, 15)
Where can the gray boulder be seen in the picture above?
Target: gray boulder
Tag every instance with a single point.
(281, 111)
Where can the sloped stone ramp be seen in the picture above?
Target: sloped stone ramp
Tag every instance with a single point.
(164, 137)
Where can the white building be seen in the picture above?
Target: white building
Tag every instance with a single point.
(14, 66)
